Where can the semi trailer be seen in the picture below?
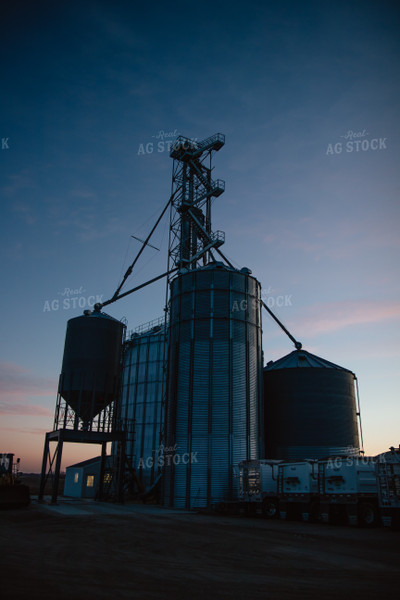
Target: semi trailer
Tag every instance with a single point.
(353, 490)
(388, 482)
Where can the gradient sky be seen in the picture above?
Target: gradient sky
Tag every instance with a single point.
(307, 94)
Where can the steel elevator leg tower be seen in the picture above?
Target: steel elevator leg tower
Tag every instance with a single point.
(191, 237)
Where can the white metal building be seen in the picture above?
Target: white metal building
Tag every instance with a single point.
(82, 479)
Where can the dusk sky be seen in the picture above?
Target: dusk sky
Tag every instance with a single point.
(307, 95)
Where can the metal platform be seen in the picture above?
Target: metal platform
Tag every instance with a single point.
(184, 148)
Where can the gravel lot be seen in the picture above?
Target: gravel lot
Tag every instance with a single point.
(87, 550)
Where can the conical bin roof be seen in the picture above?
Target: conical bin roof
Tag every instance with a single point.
(302, 359)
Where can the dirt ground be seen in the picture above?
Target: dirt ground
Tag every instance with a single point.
(89, 550)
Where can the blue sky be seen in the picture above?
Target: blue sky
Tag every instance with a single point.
(307, 94)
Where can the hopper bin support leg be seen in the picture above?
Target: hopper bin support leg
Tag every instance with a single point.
(46, 453)
(102, 470)
(57, 472)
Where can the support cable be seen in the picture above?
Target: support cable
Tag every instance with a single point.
(359, 415)
(224, 257)
(298, 345)
(99, 306)
(145, 243)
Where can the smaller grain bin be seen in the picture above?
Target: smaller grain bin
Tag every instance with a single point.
(310, 408)
(91, 365)
(141, 399)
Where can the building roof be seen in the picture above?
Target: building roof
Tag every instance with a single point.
(302, 358)
(85, 463)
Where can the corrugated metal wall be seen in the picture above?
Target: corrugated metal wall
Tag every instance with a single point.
(310, 408)
(214, 401)
(141, 401)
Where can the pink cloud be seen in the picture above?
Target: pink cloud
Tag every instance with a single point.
(307, 235)
(24, 430)
(15, 379)
(333, 316)
(21, 391)
(27, 410)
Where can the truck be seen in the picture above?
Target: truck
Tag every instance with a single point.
(298, 490)
(354, 490)
(348, 491)
(387, 468)
(258, 487)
